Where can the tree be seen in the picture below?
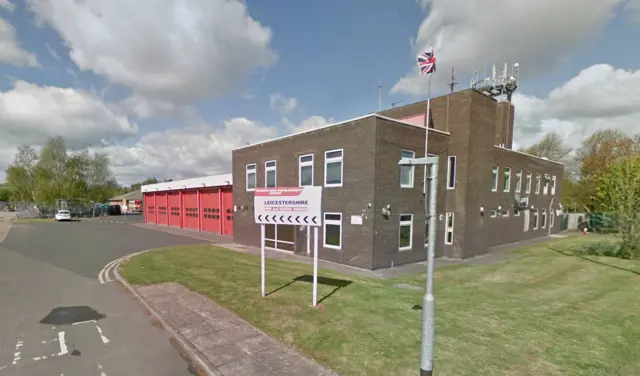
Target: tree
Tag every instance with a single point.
(551, 146)
(619, 192)
(21, 175)
(5, 194)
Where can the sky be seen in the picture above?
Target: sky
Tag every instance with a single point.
(167, 88)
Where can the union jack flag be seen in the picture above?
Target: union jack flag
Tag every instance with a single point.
(427, 62)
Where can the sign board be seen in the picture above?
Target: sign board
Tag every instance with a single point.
(288, 206)
(356, 219)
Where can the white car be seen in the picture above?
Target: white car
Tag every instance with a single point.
(63, 215)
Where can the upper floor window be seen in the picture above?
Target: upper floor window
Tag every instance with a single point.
(451, 173)
(553, 185)
(250, 176)
(538, 178)
(270, 174)
(528, 183)
(545, 185)
(494, 178)
(305, 170)
(407, 172)
(519, 181)
(333, 169)
(507, 179)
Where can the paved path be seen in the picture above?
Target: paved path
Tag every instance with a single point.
(48, 280)
(230, 345)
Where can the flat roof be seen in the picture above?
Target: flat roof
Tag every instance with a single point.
(221, 180)
(529, 155)
(340, 123)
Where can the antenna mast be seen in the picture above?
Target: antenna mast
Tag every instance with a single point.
(453, 82)
(380, 96)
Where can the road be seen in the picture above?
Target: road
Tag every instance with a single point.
(57, 319)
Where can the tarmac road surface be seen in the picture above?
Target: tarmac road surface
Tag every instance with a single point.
(57, 319)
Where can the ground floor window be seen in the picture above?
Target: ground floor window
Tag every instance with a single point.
(448, 231)
(544, 218)
(332, 230)
(406, 232)
(535, 219)
(552, 218)
(279, 237)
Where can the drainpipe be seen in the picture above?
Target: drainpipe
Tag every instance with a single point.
(550, 214)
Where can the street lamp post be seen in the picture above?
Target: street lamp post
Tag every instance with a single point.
(428, 300)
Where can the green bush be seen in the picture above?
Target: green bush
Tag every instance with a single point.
(609, 249)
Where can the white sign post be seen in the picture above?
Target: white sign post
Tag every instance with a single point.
(299, 206)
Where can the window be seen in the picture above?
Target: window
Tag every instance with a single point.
(448, 231)
(406, 172)
(493, 213)
(507, 179)
(494, 177)
(333, 168)
(544, 218)
(528, 183)
(516, 213)
(426, 231)
(552, 219)
(305, 170)
(451, 173)
(535, 219)
(406, 232)
(505, 213)
(553, 185)
(270, 174)
(537, 183)
(251, 177)
(332, 230)
(519, 181)
(545, 186)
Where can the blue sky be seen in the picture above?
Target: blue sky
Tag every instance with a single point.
(331, 56)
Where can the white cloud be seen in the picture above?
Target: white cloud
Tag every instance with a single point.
(30, 114)
(283, 104)
(6, 4)
(196, 150)
(10, 50)
(177, 53)
(599, 97)
(473, 34)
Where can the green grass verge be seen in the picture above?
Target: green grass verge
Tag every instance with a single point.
(542, 313)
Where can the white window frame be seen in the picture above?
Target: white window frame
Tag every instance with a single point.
(516, 213)
(334, 160)
(552, 218)
(449, 229)
(411, 169)
(504, 213)
(302, 164)
(536, 218)
(544, 218)
(538, 182)
(545, 185)
(268, 169)
(248, 171)
(553, 185)
(518, 181)
(506, 187)
(405, 223)
(529, 179)
(451, 172)
(326, 222)
(495, 178)
(493, 213)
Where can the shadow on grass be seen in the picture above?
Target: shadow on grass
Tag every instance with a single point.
(337, 283)
(571, 254)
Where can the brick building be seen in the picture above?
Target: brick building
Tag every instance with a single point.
(356, 161)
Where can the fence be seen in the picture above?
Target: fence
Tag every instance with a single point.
(78, 208)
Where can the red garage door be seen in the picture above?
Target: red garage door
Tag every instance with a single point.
(162, 210)
(190, 209)
(174, 209)
(210, 210)
(227, 206)
(149, 208)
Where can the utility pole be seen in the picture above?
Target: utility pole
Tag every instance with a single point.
(452, 84)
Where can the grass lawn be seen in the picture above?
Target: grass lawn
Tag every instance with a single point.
(543, 313)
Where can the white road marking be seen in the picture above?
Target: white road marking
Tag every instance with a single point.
(105, 274)
(63, 345)
(16, 354)
(105, 340)
(83, 322)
